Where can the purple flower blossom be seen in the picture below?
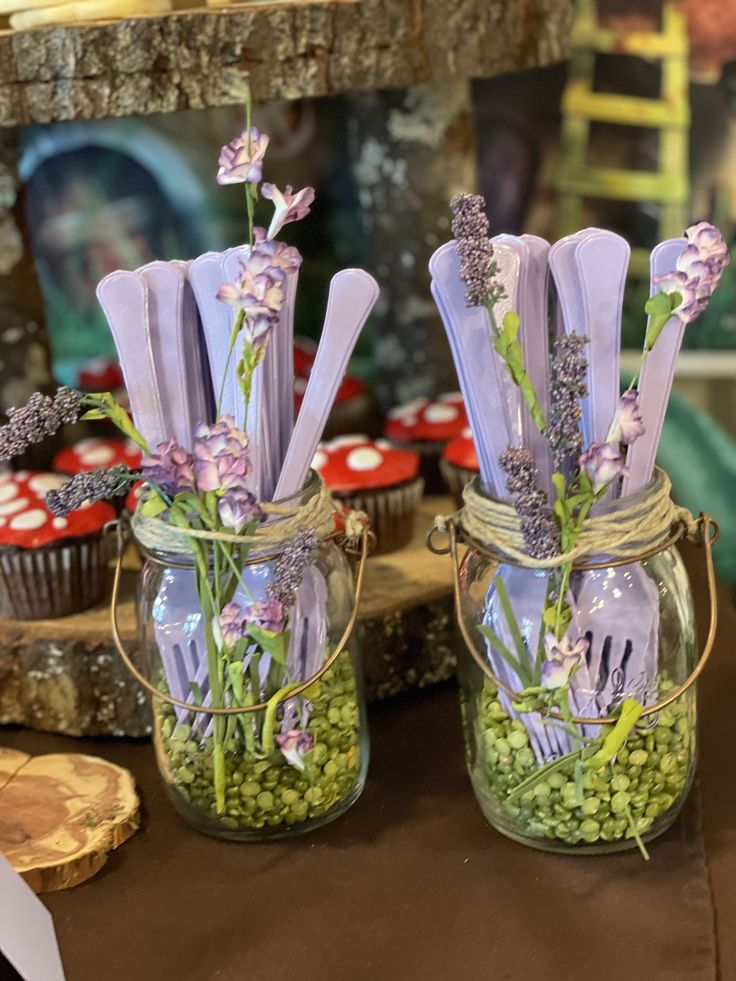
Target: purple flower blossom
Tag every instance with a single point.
(563, 658)
(220, 455)
(287, 206)
(603, 462)
(475, 250)
(294, 745)
(698, 270)
(627, 425)
(268, 615)
(237, 508)
(230, 624)
(283, 256)
(241, 160)
(170, 467)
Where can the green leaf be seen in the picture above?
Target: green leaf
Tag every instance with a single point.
(235, 676)
(93, 414)
(154, 506)
(661, 304)
(511, 322)
(629, 715)
(196, 692)
(560, 484)
(269, 642)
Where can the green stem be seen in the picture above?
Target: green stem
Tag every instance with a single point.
(237, 327)
(269, 719)
(513, 625)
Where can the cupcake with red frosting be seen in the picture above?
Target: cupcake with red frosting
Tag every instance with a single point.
(352, 410)
(96, 454)
(377, 478)
(49, 566)
(459, 464)
(426, 426)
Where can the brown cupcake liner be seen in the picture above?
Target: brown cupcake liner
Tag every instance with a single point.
(390, 512)
(455, 479)
(55, 580)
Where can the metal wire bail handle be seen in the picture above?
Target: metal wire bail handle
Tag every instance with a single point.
(293, 691)
(708, 533)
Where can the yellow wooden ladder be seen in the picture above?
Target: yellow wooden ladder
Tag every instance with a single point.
(667, 187)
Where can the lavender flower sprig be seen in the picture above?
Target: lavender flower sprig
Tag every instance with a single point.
(99, 485)
(41, 416)
(477, 265)
(288, 572)
(568, 367)
(538, 526)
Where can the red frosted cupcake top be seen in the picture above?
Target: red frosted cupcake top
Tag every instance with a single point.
(461, 451)
(26, 522)
(305, 351)
(424, 420)
(96, 453)
(356, 463)
(134, 495)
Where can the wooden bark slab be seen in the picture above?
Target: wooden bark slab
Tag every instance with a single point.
(61, 814)
(197, 60)
(65, 675)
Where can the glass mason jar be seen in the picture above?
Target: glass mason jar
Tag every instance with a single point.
(529, 772)
(300, 760)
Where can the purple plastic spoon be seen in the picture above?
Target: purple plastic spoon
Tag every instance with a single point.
(352, 296)
(655, 381)
(124, 298)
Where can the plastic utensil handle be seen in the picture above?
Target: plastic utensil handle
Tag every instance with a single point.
(352, 296)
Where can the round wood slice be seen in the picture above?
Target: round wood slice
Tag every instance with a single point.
(61, 814)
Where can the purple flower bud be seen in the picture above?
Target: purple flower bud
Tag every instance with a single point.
(287, 206)
(698, 270)
(628, 424)
(237, 508)
(281, 255)
(294, 744)
(267, 614)
(241, 160)
(603, 462)
(230, 624)
(220, 455)
(170, 466)
(563, 658)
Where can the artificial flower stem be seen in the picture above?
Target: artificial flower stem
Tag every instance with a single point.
(237, 327)
(269, 719)
(513, 625)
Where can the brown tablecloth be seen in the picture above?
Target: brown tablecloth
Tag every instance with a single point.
(412, 883)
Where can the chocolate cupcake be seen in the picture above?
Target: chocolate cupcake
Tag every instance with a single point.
(352, 410)
(49, 566)
(425, 427)
(459, 464)
(377, 478)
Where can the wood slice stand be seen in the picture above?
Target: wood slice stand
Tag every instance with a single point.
(65, 676)
(61, 814)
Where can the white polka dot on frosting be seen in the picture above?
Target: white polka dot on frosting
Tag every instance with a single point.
(319, 460)
(29, 520)
(42, 483)
(364, 458)
(300, 385)
(60, 523)
(450, 397)
(384, 444)
(8, 492)
(13, 507)
(5, 476)
(441, 413)
(467, 433)
(22, 475)
(97, 455)
(407, 409)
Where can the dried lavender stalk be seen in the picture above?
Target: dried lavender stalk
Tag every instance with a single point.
(289, 569)
(41, 416)
(99, 485)
(568, 366)
(540, 530)
(477, 266)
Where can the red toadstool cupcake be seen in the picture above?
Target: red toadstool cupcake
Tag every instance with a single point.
(459, 464)
(353, 406)
(95, 454)
(377, 478)
(49, 566)
(426, 426)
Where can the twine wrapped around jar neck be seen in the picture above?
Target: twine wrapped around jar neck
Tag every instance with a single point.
(284, 520)
(626, 528)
